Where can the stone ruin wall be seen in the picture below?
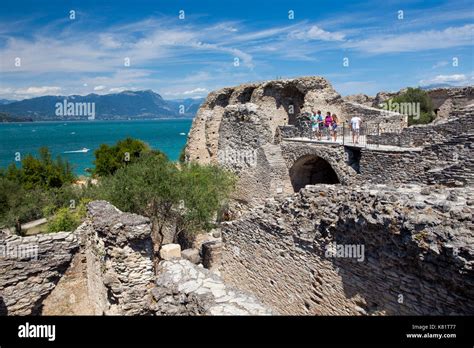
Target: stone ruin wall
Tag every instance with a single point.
(272, 104)
(418, 251)
(443, 155)
(245, 121)
(30, 268)
(116, 250)
(106, 267)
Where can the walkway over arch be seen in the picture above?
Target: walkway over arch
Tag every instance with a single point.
(309, 163)
(310, 170)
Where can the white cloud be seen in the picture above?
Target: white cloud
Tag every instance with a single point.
(194, 91)
(44, 90)
(416, 41)
(99, 88)
(440, 64)
(316, 33)
(450, 79)
(117, 89)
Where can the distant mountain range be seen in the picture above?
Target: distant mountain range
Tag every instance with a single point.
(125, 105)
(6, 101)
(438, 85)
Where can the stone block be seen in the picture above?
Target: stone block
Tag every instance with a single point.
(170, 251)
(191, 255)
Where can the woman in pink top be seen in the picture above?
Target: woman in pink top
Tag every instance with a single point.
(328, 125)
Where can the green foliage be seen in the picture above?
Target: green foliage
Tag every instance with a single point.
(68, 218)
(18, 205)
(204, 190)
(35, 189)
(65, 219)
(182, 155)
(149, 184)
(417, 95)
(41, 172)
(155, 187)
(108, 159)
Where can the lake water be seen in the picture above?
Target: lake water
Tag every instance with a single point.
(168, 136)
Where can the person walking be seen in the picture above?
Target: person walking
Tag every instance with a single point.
(320, 123)
(334, 126)
(355, 128)
(314, 123)
(328, 125)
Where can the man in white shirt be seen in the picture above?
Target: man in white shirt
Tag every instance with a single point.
(355, 127)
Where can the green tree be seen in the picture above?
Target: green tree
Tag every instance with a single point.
(108, 159)
(417, 95)
(155, 187)
(41, 172)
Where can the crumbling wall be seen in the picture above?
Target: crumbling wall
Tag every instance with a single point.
(30, 268)
(443, 156)
(119, 255)
(417, 257)
(274, 104)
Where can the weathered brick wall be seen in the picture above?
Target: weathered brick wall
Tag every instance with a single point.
(418, 251)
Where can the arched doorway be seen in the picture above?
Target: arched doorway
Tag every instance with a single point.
(310, 170)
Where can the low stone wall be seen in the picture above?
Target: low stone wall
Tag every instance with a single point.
(119, 254)
(448, 162)
(416, 259)
(30, 267)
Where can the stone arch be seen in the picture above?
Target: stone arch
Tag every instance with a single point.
(311, 170)
(297, 153)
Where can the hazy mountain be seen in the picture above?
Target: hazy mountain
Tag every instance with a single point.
(189, 106)
(437, 85)
(125, 105)
(6, 101)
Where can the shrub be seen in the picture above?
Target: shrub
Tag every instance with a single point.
(41, 172)
(417, 95)
(64, 220)
(155, 187)
(108, 159)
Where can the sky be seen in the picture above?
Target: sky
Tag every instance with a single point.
(187, 48)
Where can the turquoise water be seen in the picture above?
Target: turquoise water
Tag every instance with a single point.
(164, 135)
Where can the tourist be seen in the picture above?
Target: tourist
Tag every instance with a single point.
(314, 123)
(320, 123)
(334, 126)
(328, 125)
(355, 128)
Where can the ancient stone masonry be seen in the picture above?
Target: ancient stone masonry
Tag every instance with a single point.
(186, 289)
(30, 267)
(405, 250)
(119, 255)
(443, 154)
(266, 106)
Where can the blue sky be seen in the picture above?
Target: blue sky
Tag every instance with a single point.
(192, 56)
